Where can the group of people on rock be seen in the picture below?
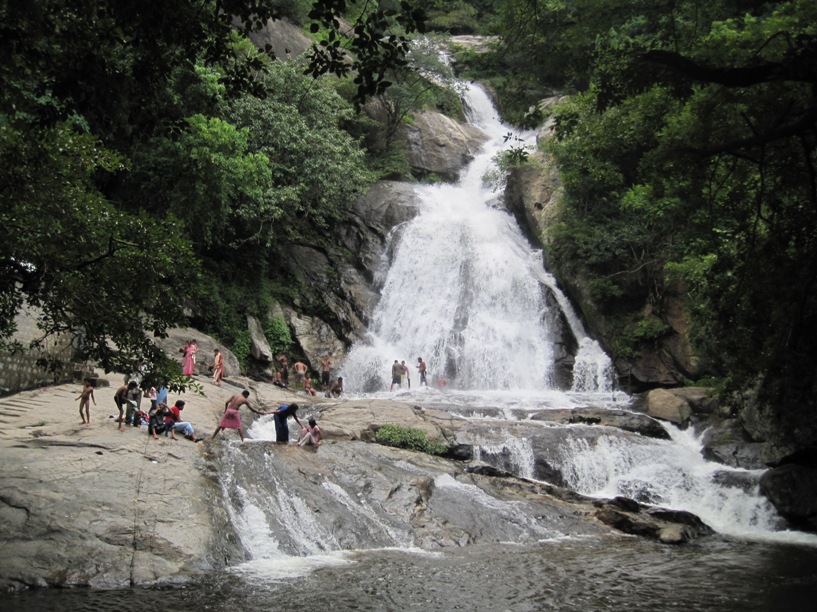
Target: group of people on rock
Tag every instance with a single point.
(161, 418)
(309, 434)
(400, 374)
(303, 377)
(165, 419)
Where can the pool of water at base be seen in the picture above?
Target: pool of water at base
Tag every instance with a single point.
(615, 573)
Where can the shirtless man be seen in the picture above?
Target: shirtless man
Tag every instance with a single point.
(421, 365)
(85, 397)
(396, 372)
(308, 388)
(231, 418)
(300, 371)
(326, 366)
(336, 390)
(283, 368)
(119, 398)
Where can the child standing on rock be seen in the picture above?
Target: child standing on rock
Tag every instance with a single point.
(85, 397)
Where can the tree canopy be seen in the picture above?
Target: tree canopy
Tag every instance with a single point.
(146, 147)
(688, 154)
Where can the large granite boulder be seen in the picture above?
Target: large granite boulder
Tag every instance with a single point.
(666, 526)
(792, 489)
(259, 345)
(441, 146)
(727, 442)
(177, 336)
(661, 404)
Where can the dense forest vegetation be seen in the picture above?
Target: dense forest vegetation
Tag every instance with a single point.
(152, 160)
(151, 156)
(687, 152)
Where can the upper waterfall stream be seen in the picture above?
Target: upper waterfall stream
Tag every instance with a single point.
(465, 291)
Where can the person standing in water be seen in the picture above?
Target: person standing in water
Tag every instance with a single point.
(396, 371)
(326, 366)
(404, 377)
(231, 418)
(421, 366)
(281, 426)
(85, 397)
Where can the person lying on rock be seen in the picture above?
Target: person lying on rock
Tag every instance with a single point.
(174, 420)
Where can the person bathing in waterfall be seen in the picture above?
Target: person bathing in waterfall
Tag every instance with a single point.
(300, 369)
(308, 388)
(421, 366)
(231, 418)
(396, 371)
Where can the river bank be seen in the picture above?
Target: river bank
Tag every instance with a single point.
(108, 508)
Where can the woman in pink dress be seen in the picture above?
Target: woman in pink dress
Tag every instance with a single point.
(188, 363)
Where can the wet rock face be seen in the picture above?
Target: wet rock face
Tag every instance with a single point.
(792, 489)
(440, 145)
(667, 526)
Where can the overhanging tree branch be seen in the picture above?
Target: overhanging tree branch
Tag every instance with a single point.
(799, 67)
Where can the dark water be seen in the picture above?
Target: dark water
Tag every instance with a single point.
(609, 574)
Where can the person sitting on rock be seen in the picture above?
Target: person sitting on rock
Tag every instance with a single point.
(337, 387)
(311, 434)
(174, 420)
(157, 420)
(308, 388)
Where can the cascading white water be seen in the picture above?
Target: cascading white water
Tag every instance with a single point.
(673, 474)
(467, 293)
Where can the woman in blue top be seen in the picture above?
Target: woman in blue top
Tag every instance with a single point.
(281, 427)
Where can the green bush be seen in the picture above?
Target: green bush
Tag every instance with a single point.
(409, 438)
(241, 348)
(278, 336)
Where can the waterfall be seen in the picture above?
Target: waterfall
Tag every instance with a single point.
(466, 292)
(672, 474)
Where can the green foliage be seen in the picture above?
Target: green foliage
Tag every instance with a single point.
(206, 175)
(278, 336)
(96, 273)
(241, 347)
(316, 168)
(689, 155)
(380, 43)
(409, 438)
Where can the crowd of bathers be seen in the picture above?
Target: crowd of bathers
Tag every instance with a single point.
(163, 419)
